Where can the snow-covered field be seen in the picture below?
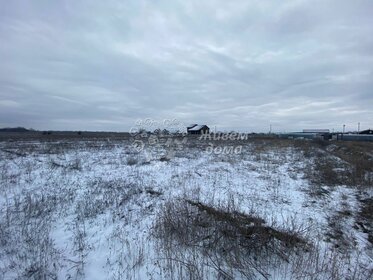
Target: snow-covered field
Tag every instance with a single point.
(95, 209)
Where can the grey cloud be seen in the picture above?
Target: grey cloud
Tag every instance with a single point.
(101, 65)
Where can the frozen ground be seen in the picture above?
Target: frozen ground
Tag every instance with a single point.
(90, 209)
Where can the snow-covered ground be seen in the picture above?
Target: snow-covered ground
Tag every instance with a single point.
(87, 209)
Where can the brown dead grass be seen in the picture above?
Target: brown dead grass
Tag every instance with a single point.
(194, 224)
(366, 218)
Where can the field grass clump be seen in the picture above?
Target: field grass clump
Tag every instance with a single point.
(226, 237)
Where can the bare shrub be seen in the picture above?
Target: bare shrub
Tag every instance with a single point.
(227, 238)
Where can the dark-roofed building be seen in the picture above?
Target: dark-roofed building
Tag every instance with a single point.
(191, 126)
(368, 131)
(198, 129)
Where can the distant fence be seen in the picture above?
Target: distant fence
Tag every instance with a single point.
(353, 137)
(331, 136)
(298, 135)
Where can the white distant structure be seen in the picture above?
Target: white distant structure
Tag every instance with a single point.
(316, 131)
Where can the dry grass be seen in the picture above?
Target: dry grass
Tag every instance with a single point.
(192, 236)
(227, 238)
(366, 218)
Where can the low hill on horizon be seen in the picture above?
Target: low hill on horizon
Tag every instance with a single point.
(14, 129)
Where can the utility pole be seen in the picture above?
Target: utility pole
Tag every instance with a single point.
(270, 128)
(344, 126)
(358, 127)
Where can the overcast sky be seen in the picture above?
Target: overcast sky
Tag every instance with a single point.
(102, 65)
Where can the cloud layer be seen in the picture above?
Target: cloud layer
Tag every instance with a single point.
(101, 65)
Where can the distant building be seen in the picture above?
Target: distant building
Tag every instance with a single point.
(198, 129)
(191, 126)
(322, 134)
(316, 131)
(368, 131)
